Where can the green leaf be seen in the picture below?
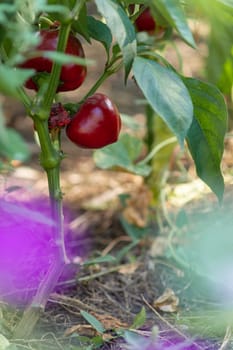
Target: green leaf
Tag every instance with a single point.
(100, 260)
(93, 321)
(64, 58)
(121, 28)
(166, 93)
(80, 24)
(225, 82)
(173, 12)
(124, 252)
(123, 155)
(133, 231)
(219, 63)
(100, 32)
(140, 319)
(206, 135)
(11, 79)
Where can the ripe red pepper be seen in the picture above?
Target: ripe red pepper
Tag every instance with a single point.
(72, 74)
(146, 23)
(96, 124)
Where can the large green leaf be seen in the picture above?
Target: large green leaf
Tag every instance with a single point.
(121, 28)
(123, 155)
(206, 135)
(174, 14)
(166, 93)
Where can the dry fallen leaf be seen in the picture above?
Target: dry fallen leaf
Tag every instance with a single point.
(167, 302)
(128, 269)
(109, 322)
(82, 329)
(159, 246)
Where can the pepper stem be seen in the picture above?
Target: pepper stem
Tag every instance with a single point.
(50, 159)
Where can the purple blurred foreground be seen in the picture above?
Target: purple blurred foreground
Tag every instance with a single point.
(28, 248)
(169, 341)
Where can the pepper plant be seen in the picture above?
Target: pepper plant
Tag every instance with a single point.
(42, 47)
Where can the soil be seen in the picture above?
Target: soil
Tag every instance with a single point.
(116, 292)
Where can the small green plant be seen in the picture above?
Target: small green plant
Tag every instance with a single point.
(40, 50)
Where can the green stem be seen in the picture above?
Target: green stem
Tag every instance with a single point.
(179, 57)
(46, 20)
(98, 83)
(157, 148)
(106, 74)
(77, 8)
(150, 121)
(27, 102)
(50, 155)
(53, 176)
(50, 159)
(56, 69)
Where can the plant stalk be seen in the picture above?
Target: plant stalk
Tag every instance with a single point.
(56, 69)
(157, 148)
(106, 74)
(50, 159)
